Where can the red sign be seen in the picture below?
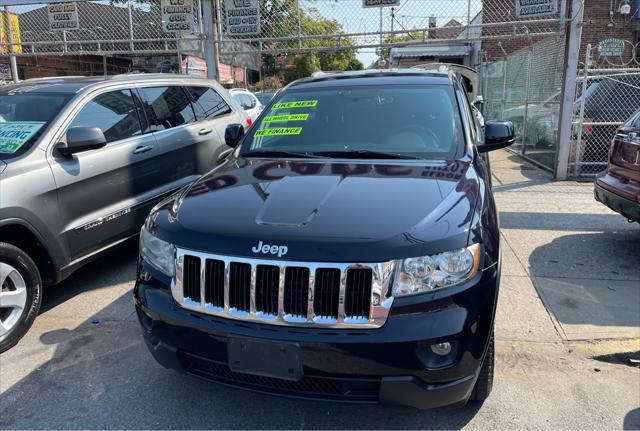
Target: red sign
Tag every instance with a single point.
(196, 66)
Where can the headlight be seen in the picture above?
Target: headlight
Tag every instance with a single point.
(427, 273)
(158, 253)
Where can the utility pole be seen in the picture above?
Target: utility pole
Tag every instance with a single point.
(211, 40)
(571, 56)
(9, 30)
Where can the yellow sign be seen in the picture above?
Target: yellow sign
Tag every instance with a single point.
(296, 104)
(15, 33)
(285, 118)
(279, 131)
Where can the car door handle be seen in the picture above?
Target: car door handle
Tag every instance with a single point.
(142, 149)
(204, 131)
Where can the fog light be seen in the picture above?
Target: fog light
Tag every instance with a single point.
(441, 349)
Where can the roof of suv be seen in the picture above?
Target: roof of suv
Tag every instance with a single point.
(74, 84)
(379, 76)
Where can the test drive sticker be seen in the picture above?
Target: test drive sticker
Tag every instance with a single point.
(297, 104)
(279, 131)
(14, 134)
(285, 117)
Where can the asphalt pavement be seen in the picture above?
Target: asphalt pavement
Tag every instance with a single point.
(568, 321)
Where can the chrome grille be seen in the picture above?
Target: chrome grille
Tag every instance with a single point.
(284, 292)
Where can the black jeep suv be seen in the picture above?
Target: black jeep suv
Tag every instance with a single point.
(347, 249)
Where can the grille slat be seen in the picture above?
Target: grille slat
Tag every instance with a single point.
(296, 291)
(191, 286)
(267, 284)
(358, 293)
(214, 283)
(239, 286)
(327, 293)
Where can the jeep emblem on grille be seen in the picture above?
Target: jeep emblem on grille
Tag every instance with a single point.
(280, 250)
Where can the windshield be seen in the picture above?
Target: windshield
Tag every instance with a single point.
(24, 117)
(398, 121)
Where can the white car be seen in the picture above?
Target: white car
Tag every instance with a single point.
(248, 101)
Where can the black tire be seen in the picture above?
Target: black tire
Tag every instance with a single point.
(21, 261)
(484, 384)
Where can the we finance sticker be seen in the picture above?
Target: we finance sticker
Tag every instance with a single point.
(279, 131)
(285, 118)
(14, 134)
(296, 104)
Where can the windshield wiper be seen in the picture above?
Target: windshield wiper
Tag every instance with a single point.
(296, 154)
(365, 154)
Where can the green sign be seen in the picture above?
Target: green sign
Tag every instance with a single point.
(534, 8)
(279, 131)
(14, 134)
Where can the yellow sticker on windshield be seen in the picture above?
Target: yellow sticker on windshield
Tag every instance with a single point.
(279, 131)
(296, 104)
(285, 117)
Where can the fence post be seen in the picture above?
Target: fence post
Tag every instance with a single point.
(572, 54)
(9, 31)
(576, 168)
(209, 30)
(526, 102)
(130, 25)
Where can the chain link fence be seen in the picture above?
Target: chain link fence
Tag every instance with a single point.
(607, 94)
(525, 88)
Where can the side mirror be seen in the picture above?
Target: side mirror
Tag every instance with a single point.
(82, 139)
(233, 134)
(497, 134)
(478, 102)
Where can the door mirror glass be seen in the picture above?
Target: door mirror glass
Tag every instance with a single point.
(82, 139)
(233, 134)
(497, 134)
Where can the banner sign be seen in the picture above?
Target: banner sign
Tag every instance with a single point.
(15, 134)
(535, 8)
(63, 16)
(177, 16)
(242, 17)
(611, 47)
(380, 3)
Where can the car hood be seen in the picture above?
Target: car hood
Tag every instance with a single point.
(324, 211)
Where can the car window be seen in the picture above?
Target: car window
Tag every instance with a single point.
(207, 102)
(167, 107)
(250, 101)
(24, 117)
(410, 120)
(115, 113)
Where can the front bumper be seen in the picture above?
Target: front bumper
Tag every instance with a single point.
(392, 364)
(623, 206)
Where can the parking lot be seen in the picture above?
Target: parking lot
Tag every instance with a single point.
(568, 321)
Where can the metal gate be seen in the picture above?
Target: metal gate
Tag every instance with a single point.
(607, 94)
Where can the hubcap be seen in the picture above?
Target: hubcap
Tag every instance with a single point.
(13, 297)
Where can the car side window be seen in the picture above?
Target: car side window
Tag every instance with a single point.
(167, 107)
(115, 113)
(207, 102)
(251, 101)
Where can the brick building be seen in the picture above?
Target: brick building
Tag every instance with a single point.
(602, 20)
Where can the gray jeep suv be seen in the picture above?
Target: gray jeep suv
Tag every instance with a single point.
(82, 161)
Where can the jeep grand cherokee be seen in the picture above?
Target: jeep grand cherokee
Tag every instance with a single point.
(347, 249)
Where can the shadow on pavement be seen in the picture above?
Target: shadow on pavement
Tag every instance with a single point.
(116, 266)
(560, 221)
(100, 375)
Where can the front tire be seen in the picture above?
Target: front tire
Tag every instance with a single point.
(484, 384)
(20, 294)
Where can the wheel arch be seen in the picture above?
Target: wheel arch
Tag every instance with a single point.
(20, 234)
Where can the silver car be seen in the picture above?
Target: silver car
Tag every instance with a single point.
(83, 160)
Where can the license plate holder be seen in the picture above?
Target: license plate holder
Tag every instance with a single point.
(280, 360)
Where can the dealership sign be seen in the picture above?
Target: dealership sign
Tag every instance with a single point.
(535, 8)
(63, 16)
(380, 3)
(177, 16)
(611, 47)
(242, 17)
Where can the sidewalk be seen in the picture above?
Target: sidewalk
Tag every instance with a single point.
(560, 245)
